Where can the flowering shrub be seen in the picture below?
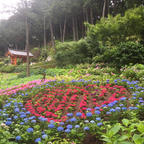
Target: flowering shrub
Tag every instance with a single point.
(54, 103)
(68, 112)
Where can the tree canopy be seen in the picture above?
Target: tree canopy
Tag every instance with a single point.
(63, 20)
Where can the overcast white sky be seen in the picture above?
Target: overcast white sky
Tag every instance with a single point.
(6, 5)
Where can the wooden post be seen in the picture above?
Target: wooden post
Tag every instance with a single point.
(15, 60)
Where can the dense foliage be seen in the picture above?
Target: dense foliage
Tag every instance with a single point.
(123, 54)
(64, 20)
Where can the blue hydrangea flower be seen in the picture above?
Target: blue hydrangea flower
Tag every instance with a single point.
(8, 123)
(51, 126)
(22, 113)
(77, 126)
(44, 136)
(98, 119)
(115, 81)
(60, 128)
(52, 121)
(61, 123)
(118, 108)
(112, 110)
(24, 109)
(141, 101)
(97, 108)
(104, 105)
(121, 105)
(97, 112)
(73, 119)
(123, 98)
(86, 128)
(89, 114)
(15, 117)
(107, 81)
(22, 116)
(29, 130)
(9, 119)
(16, 110)
(38, 140)
(69, 126)
(110, 105)
(78, 114)
(21, 123)
(67, 130)
(32, 117)
(33, 121)
(131, 108)
(25, 120)
(18, 138)
(108, 113)
(88, 109)
(99, 124)
(124, 108)
(134, 94)
(70, 114)
(42, 119)
(28, 112)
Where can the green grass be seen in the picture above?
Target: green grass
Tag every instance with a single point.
(9, 80)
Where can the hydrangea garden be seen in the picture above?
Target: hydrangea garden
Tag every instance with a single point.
(73, 112)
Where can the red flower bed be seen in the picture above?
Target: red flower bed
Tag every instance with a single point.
(56, 102)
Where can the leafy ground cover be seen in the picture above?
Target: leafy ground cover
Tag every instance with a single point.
(72, 112)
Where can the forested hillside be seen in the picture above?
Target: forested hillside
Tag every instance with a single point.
(51, 20)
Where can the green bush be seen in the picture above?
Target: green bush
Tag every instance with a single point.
(129, 52)
(113, 30)
(6, 60)
(21, 75)
(1, 64)
(123, 54)
(20, 68)
(71, 53)
(135, 72)
(36, 52)
(130, 74)
(7, 68)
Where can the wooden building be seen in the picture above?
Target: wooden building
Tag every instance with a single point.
(15, 55)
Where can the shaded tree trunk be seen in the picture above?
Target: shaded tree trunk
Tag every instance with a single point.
(64, 30)
(108, 1)
(73, 28)
(27, 46)
(82, 26)
(52, 34)
(76, 26)
(61, 35)
(86, 11)
(104, 7)
(91, 15)
(44, 23)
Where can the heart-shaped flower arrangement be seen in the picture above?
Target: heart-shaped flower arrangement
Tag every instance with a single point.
(54, 103)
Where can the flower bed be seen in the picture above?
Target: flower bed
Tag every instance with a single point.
(56, 102)
(72, 112)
